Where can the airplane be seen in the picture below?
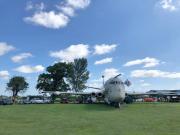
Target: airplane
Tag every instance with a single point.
(113, 91)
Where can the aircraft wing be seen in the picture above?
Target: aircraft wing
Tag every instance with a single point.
(73, 93)
(60, 93)
(100, 92)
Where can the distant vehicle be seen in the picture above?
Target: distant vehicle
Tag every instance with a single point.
(6, 101)
(34, 100)
(47, 100)
(139, 100)
(150, 99)
(64, 101)
(23, 100)
(40, 100)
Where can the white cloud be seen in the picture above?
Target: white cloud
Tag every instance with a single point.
(30, 69)
(4, 74)
(78, 4)
(48, 19)
(170, 5)
(107, 73)
(37, 7)
(103, 61)
(67, 10)
(141, 81)
(5, 48)
(104, 48)
(110, 72)
(148, 62)
(145, 84)
(21, 57)
(71, 53)
(97, 83)
(70, 6)
(29, 5)
(154, 74)
(40, 6)
(55, 19)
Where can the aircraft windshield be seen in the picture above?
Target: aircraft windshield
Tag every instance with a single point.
(116, 82)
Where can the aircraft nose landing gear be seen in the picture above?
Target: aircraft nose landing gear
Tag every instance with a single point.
(117, 105)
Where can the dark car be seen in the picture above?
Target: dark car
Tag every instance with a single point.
(6, 101)
(64, 100)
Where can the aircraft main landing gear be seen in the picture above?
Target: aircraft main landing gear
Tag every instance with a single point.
(117, 105)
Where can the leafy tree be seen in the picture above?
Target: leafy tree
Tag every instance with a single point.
(17, 84)
(44, 82)
(78, 74)
(54, 79)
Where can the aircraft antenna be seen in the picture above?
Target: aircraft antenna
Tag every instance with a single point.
(117, 75)
(103, 79)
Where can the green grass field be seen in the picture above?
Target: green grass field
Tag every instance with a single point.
(69, 119)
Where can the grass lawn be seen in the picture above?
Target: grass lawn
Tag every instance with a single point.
(69, 119)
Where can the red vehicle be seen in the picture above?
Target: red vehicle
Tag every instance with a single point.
(64, 101)
(150, 100)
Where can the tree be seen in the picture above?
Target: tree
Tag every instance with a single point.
(44, 82)
(54, 79)
(17, 84)
(78, 74)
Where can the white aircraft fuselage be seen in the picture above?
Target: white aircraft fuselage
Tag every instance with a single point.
(114, 91)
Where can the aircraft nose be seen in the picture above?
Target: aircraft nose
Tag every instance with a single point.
(118, 96)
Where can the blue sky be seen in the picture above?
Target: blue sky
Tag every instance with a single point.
(137, 38)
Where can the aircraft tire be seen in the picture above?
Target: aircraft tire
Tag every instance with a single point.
(117, 105)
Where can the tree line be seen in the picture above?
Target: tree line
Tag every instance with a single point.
(61, 76)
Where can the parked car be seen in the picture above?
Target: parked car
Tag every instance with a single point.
(6, 101)
(64, 101)
(36, 101)
(23, 101)
(139, 100)
(47, 100)
(150, 99)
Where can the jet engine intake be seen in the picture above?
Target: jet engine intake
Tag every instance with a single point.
(99, 94)
(93, 94)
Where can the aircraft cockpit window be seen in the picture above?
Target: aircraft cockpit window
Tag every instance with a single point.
(116, 82)
(113, 82)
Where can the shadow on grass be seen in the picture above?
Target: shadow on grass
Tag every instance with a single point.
(98, 107)
(103, 107)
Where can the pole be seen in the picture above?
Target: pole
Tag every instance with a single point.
(103, 79)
